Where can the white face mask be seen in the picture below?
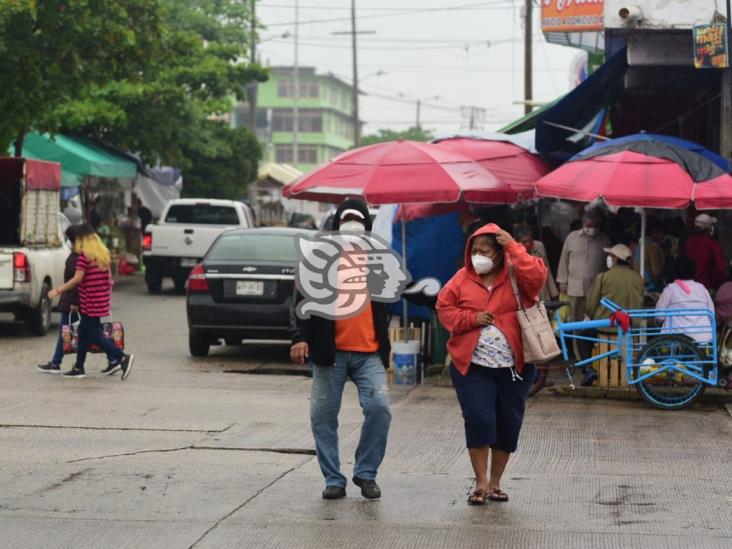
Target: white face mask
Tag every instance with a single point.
(481, 264)
(590, 231)
(353, 227)
(610, 262)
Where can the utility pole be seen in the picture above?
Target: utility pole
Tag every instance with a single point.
(725, 130)
(419, 108)
(296, 91)
(354, 62)
(528, 56)
(253, 86)
(354, 97)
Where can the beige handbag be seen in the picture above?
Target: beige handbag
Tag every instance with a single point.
(537, 336)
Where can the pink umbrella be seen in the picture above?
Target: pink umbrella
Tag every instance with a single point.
(397, 172)
(630, 178)
(516, 168)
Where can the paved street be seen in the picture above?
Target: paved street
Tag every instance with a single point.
(188, 454)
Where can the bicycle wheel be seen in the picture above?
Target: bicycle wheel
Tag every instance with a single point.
(671, 389)
(542, 372)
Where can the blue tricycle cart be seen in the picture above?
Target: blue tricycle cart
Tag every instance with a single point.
(669, 366)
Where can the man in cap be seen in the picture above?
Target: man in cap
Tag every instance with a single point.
(581, 260)
(620, 284)
(706, 253)
(357, 348)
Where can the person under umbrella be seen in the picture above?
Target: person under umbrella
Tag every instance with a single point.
(620, 284)
(706, 253)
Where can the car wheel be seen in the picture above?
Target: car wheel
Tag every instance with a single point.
(198, 343)
(154, 282)
(38, 320)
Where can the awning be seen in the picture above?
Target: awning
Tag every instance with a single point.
(79, 157)
(281, 173)
(528, 121)
(581, 108)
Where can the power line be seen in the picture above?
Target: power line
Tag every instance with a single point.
(411, 11)
(485, 43)
(482, 6)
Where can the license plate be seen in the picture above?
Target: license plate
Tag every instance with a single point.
(188, 262)
(249, 287)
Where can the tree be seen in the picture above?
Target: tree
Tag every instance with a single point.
(52, 50)
(223, 162)
(200, 72)
(384, 135)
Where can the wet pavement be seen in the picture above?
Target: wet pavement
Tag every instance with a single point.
(186, 453)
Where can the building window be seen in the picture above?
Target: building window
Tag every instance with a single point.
(307, 154)
(311, 120)
(286, 88)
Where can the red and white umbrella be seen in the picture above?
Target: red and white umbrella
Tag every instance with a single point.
(516, 168)
(397, 172)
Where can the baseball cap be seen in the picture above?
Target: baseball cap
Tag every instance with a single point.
(353, 212)
(704, 221)
(621, 251)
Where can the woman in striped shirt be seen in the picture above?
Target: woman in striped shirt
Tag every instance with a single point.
(94, 280)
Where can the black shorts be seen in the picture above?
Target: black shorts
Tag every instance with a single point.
(493, 405)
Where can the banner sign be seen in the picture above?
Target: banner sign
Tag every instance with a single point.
(572, 15)
(711, 46)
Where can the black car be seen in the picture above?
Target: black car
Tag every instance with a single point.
(243, 288)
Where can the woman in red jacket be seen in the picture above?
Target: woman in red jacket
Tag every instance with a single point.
(478, 307)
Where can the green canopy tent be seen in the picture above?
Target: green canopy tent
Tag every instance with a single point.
(80, 157)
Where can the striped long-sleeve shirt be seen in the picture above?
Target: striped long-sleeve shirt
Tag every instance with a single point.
(95, 291)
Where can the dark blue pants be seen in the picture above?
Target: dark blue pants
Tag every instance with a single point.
(90, 331)
(58, 354)
(493, 405)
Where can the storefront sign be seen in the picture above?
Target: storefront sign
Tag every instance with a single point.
(572, 15)
(711, 46)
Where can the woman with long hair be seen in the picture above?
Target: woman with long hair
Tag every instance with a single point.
(94, 279)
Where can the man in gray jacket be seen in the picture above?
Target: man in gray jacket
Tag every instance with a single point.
(583, 258)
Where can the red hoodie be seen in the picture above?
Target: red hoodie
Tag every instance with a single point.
(465, 295)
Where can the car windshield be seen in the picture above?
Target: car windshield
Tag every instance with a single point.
(202, 214)
(251, 247)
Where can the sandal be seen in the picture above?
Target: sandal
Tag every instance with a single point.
(478, 497)
(498, 495)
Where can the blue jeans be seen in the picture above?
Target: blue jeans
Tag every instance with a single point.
(90, 331)
(367, 372)
(58, 354)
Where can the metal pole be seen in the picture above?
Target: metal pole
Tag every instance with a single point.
(354, 92)
(296, 94)
(528, 57)
(643, 244)
(419, 108)
(405, 315)
(725, 141)
(253, 86)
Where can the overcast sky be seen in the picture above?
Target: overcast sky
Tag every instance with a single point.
(466, 52)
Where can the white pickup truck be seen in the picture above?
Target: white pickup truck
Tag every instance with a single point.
(186, 230)
(33, 250)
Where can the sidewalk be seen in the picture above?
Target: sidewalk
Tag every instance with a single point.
(588, 474)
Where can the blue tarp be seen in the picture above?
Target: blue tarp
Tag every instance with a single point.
(435, 247)
(580, 108)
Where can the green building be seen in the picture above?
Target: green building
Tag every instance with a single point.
(325, 117)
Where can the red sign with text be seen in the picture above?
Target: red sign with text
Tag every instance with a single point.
(572, 15)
